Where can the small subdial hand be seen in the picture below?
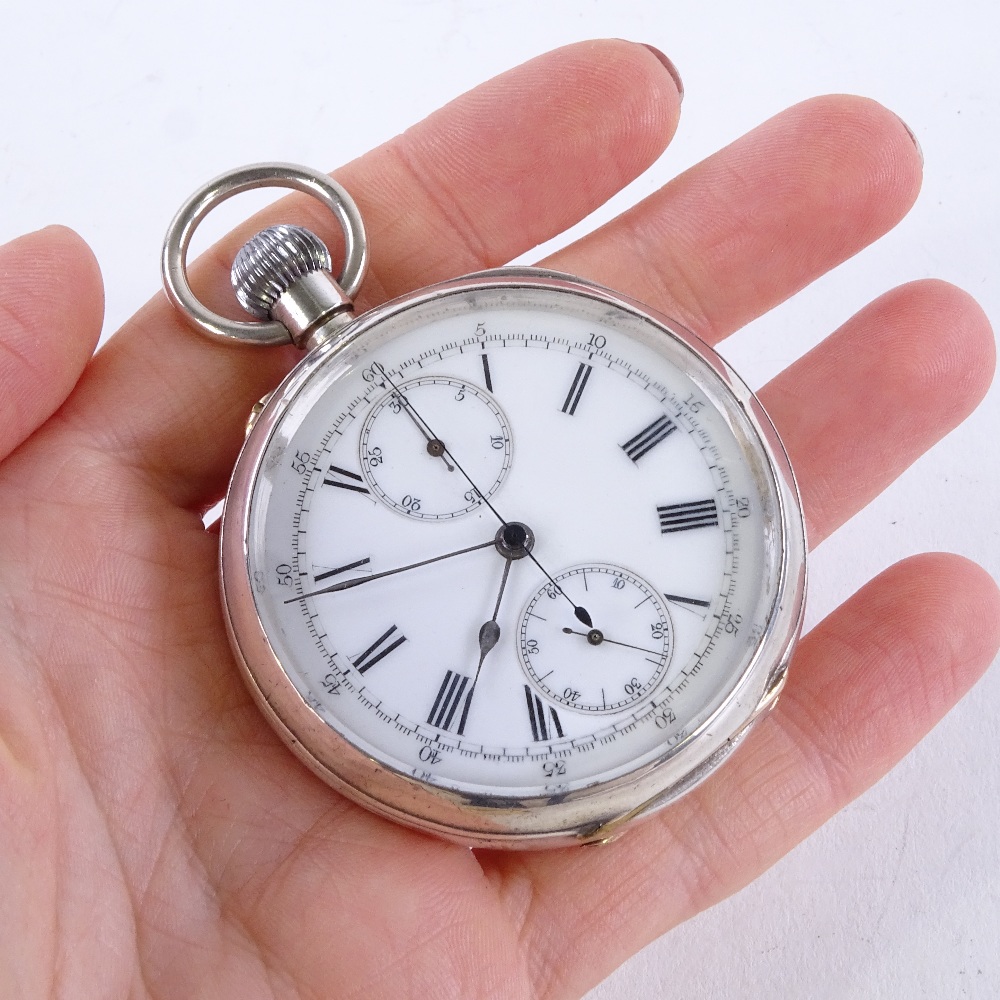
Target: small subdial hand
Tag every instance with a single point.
(595, 637)
(436, 448)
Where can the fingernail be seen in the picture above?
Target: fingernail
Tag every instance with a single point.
(672, 70)
(916, 141)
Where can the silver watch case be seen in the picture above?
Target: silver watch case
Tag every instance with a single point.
(596, 813)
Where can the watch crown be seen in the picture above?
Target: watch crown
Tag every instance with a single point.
(272, 261)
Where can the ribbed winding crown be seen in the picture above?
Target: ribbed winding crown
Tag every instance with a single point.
(270, 263)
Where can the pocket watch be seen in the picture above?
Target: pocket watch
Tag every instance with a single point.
(511, 559)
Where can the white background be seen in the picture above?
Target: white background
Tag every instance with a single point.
(111, 113)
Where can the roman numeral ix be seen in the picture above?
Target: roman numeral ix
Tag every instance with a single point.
(685, 516)
(648, 438)
(380, 648)
(540, 731)
(576, 389)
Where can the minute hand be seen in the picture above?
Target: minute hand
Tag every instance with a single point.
(347, 584)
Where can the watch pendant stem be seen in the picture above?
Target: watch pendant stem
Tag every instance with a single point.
(284, 273)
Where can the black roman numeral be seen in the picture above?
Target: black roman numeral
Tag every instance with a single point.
(685, 516)
(449, 697)
(377, 650)
(540, 728)
(486, 373)
(576, 389)
(648, 438)
(336, 476)
(693, 602)
(341, 569)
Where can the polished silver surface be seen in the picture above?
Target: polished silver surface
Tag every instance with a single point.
(313, 309)
(284, 175)
(271, 262)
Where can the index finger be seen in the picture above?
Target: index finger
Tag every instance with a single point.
(496, 172)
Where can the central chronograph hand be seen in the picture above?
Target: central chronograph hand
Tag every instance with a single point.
(580, 612)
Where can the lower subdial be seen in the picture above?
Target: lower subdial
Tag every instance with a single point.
(606, 667)
(415, 435)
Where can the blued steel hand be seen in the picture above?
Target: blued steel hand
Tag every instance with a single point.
(580, 612)
(347, 584)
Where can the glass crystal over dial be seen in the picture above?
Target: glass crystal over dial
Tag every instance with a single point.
(587, 575)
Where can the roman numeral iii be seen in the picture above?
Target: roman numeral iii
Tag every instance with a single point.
(648, 438)
(685, 516)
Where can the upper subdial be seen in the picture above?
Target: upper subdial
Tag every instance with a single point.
(605, 668)
(413, 437)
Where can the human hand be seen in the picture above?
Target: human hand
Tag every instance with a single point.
(157, 839)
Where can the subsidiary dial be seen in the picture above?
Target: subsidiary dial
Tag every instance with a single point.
(417, 432)
(604, 666)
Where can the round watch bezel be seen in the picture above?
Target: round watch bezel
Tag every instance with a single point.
(593, 813)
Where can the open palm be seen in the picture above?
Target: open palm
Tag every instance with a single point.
(156, 839)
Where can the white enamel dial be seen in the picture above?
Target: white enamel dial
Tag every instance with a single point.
(569, 455)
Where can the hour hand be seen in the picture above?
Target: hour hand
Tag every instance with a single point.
(489, 636)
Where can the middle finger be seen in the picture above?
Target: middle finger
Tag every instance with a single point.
(745, 229)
